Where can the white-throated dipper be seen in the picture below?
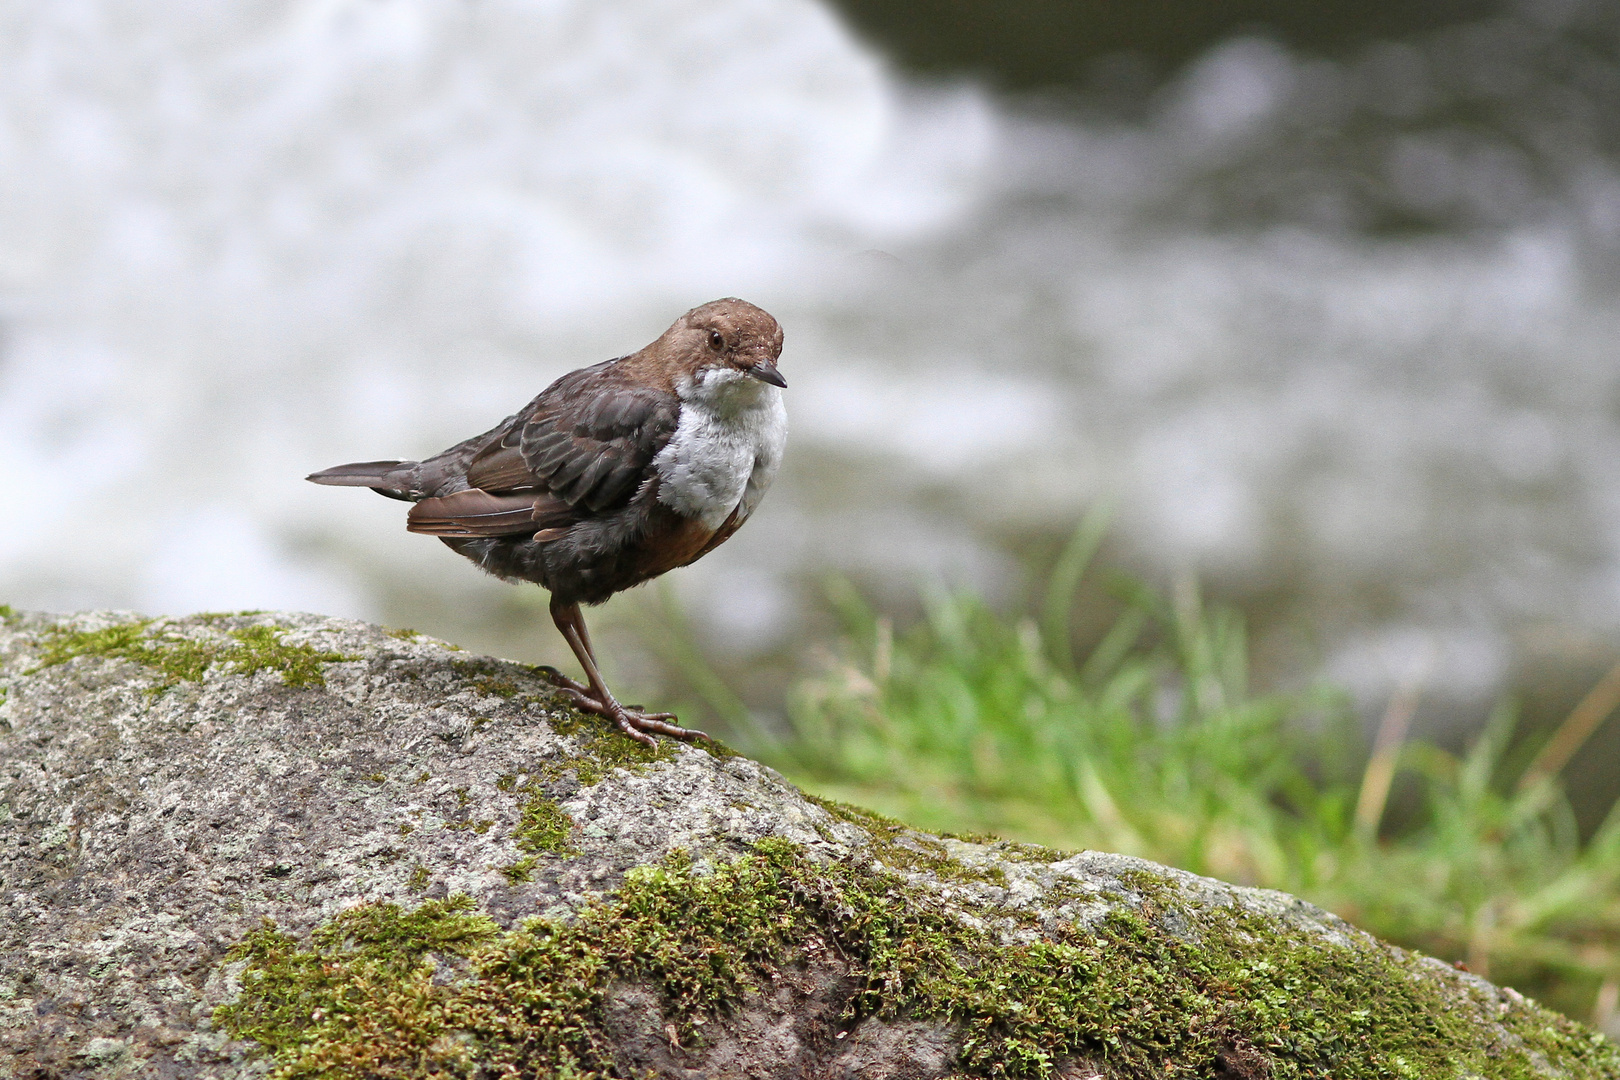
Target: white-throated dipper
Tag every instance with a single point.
(615, 474)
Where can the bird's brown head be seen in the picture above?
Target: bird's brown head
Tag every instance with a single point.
(726, 334)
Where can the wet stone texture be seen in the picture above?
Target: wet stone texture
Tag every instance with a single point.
(167, 786)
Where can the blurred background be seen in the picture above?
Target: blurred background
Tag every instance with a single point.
(1319, 301)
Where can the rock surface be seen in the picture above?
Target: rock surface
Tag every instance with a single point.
(461, 875)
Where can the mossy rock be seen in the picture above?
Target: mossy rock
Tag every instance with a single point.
(282, 844)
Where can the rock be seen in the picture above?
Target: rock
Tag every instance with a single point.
(240, 844)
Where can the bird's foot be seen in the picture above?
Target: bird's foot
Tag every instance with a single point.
(561, 681)
(633, 720)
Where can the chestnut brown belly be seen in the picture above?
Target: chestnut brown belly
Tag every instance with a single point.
(674, 541)
(595, 559)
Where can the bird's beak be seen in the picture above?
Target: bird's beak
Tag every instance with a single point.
(765, 371)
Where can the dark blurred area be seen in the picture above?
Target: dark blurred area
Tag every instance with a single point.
(1432, 116)
(1121, 49)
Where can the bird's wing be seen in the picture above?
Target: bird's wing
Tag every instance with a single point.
(472, 512)
(587, 441)
(581, 448)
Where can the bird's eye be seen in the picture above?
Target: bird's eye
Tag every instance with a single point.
(716, 341)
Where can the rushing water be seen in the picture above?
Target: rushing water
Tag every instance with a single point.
(1338, 337)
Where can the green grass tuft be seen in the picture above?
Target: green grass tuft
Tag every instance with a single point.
(1154, 744)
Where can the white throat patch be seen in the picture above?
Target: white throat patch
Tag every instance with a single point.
(726, 447)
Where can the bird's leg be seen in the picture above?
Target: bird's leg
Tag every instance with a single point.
(573, 629)
(595, 697)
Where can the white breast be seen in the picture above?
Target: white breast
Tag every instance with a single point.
(726, 447)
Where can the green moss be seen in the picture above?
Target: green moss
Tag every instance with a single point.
(606, 743)
(439, 991)
(287, 991)
(869, 820)
(6, 613)
(518, 872)
(178, 659)
(419, 879)
(544, 828)
(299, 665)
(900, 846)
(1559, 1039)
(1013, 850)
(405, 634)
(716, 749)
(488, 677)
(604, 748)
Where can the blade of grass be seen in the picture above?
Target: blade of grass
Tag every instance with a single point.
(1064, 582)
(1577, 727)
(1392, 729)
(666, 630)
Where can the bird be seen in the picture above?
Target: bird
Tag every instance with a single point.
(615, 474)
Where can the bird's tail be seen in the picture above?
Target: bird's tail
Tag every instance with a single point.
(395, 479)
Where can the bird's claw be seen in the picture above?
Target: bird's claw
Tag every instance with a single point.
(561, 681)
(632, 719)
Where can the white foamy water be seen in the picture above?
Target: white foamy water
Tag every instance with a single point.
(240, 242)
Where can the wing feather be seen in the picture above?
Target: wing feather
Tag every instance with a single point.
(500, 468)
(583, 447)
(478, 513)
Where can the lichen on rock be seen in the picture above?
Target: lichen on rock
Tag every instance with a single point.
(232, 845)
